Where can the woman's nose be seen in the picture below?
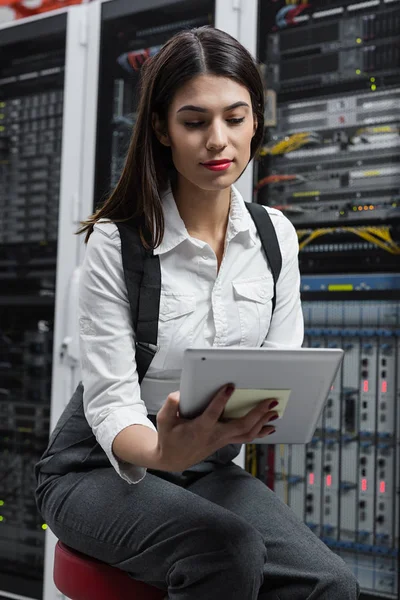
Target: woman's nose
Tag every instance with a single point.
(217, 138)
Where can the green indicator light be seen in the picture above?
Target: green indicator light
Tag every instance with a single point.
(354, 207)
(44, 526)
(373, 87)
(358, 71)
(372, 79)
(358, 40)
(1, 502)
(1, 518)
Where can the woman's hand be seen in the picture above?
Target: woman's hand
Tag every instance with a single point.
(185, 442)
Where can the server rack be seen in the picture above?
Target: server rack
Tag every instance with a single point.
(330, 162)
(31, 106)
(42, 60)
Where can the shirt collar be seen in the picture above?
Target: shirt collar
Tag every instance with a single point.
(175, 230)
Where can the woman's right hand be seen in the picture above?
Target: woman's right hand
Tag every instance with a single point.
(184, 442)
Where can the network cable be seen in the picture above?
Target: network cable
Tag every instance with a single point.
(378, 236)
(289, 143)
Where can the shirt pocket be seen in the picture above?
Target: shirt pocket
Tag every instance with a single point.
(253, 299)
(175, 329)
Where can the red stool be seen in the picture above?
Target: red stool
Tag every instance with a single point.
(80, 577)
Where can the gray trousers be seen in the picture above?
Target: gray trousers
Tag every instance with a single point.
(199, 535)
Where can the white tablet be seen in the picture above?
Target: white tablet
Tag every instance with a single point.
(299, 379)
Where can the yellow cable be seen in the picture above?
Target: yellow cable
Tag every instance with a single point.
(316, 233)
(369, 233)
(377, 236)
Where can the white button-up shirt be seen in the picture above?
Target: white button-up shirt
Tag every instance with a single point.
(199, 307)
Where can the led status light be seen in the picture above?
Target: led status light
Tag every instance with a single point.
(365, 385)
(44, 526)
(364, 485)
(359, 41)
(311, 479)
(329, 480)
(1, 518)
(1, 502)
(358, 71)
(384, 387)
(373, 87)
(382, 487)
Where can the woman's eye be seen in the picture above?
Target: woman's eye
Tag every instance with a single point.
(236, 121)
(194, 124)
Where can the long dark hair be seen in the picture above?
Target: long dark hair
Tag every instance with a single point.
(148, 166)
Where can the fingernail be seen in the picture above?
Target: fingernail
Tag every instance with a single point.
(273, 418)
(229, 389)
(274, 403)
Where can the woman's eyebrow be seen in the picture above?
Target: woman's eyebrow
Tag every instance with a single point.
(204, 110)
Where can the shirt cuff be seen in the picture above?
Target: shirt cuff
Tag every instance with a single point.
(112, 425)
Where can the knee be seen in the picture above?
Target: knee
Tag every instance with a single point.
(227, 546)
(246, 550)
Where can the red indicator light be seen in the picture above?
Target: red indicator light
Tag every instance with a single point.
(365, 385)
(384, 387)
(329, 480)
(311, 479)
(364, 485)
(382, 487)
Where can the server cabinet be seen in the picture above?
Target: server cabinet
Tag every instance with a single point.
(330, 162)
(40, 162)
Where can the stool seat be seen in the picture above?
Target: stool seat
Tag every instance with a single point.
(80, 577)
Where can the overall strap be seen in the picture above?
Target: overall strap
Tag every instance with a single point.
(269, 241)
(143, 282)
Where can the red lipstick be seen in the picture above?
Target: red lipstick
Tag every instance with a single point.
(218, 165)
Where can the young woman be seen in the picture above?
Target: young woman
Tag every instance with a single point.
(159, 496)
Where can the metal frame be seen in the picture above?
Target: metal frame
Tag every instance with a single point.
(74, 160)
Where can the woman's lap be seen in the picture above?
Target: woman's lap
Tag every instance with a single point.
(148, 527)
(143, 528)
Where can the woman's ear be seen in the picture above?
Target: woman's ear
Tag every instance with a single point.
(160, 130)
(255, 126)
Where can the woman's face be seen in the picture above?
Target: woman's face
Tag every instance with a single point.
(210, 119)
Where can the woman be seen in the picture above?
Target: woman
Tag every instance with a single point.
(193, 523)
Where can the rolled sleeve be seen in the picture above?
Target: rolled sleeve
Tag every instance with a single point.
(109, 428)
(287, 323)
(111, 396)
